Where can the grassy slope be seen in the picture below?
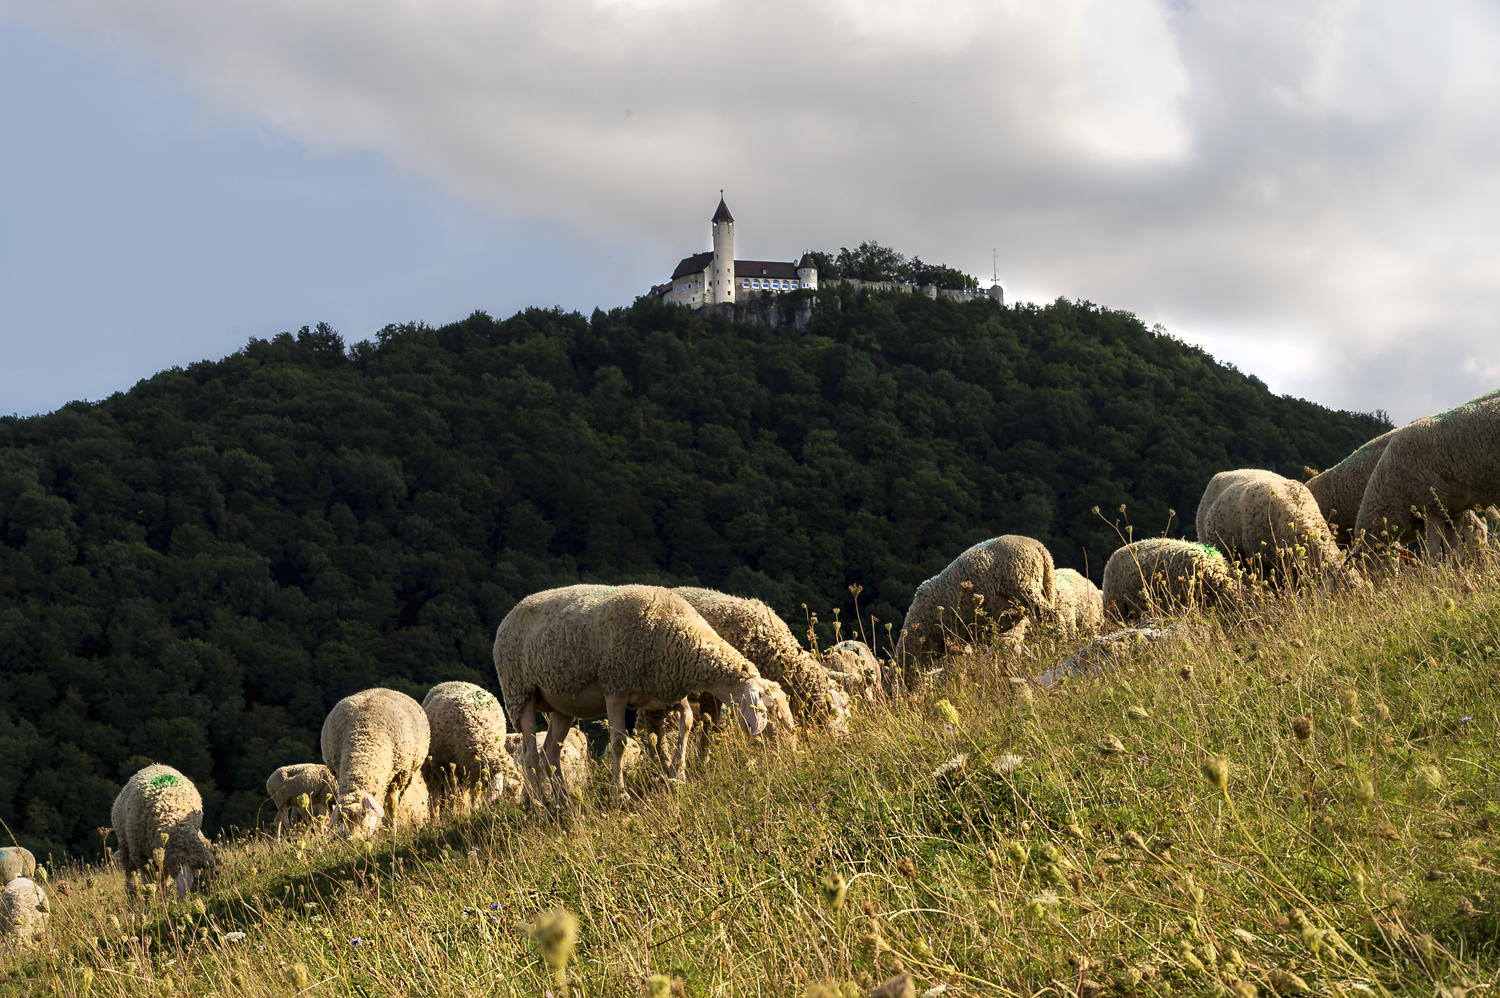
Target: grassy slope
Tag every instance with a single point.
(719, 881)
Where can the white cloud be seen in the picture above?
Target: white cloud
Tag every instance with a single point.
(1305, 187)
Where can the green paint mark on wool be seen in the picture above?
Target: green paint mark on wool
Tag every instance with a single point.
(1209, 551)
(163, 780)
(482, 699)
(1468, 406)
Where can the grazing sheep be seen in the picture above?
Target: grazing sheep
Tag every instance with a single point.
(16, 861)
(306, 786)
(586, 650)
(1441, 465)
(1340, 489)
(757, 633)
(24, 913)
(573, 763)
(1265, 518)
(468, 738)
(854, 665)
(158, 818)
(1009, 575)
(1080, 604)
(375, 742)
(1164, 573)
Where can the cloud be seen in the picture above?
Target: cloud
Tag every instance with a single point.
(1306, 188)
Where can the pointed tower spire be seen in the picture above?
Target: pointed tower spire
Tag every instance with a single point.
(722, 215)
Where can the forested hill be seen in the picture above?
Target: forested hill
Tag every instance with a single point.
(194, 571)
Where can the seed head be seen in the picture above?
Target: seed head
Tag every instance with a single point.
(947, 712)
(1017, 852)
(1244, 989)
(1302, 727)
(1216, 771)
(825, 989)
(907, 867)
(1349, 700)
(297, 976)
(1429, 779)
(1132, 840)
(1186, 672)
(1365, 792)
(1137, 713)
(833, 888)
(1110, 745)
(658, 986)
(555, 932)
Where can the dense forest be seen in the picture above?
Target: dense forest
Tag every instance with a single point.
(195, 570)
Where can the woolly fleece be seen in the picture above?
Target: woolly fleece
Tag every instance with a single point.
(24, 913)
(1339, 490)
(156, 801)
(375, 742)
(574, 761)
(289, 782)
(16, 861)
(1080, 604)
(468, 734)
(1439, 464)
(1180, 573)
(853, 664)
(1256, 513)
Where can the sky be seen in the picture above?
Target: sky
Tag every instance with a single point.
(1307, 189)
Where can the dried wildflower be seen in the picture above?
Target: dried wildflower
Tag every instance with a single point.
(1349, 701)
(1287, 983)
(952, 767)
(555, 933)
(1186, 672)
(658, 986)
(1216, 771)
(1429, 779)
(1302, 727)
(1017, 852)
(234, 937)
(947, 712)
(1110, 745)
(1382, 712)
(935, 992)
(907, 867)
(826, 989)
(297, 976)
(1008, 763)
(1132, 840)
(1074, 831)
(1243, 989)
(1364, 793)
(833, 888)
(1136, 713)
(1466, 907)
(900, 986)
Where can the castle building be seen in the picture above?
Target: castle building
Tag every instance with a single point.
(716, 276)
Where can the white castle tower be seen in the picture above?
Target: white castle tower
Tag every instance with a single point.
(722, 275)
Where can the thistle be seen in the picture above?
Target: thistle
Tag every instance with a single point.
(833, 889)
(1302, 727)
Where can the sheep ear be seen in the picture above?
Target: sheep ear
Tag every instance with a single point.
(184, 882)
(752, 711)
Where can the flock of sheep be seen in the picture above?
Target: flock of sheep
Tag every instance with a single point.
(688, 656)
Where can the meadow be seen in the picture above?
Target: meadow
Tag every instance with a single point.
(1296, 798)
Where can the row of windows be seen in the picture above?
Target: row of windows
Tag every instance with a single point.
(768, 284)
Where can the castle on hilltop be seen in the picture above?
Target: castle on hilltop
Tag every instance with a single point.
(717, 278)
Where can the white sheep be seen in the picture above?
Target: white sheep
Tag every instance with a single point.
(1162, 573)
(24, 913)
(1340, 489)
(375, 743)
(308, 787)
(757, 633)
(1080, 604)
(1010, 577)
(1264, 518)
(468, 738)
(16, 861)
(573, 762)
(1438, 465)
(583, 651)
(158, 818)
(853, 665)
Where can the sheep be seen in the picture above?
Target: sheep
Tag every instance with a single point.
(1439, 465)
(307, 786)
(16, 861)
(468, 737)
(1009, 575)
(158, 818)
(756, 632)
(24, 913)
(855, 666)
(1264, 518)
(573, 763)
(588, 650)
(375, 743)
(1163, 572)
(1339, 490)
(1080, 604)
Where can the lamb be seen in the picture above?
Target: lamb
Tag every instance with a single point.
(16, 861)
(307, 786)
(1162, 573)
(1010, 576)
(1440, 465)
(24, 913)
(375, 743)
(855, 666)
(1264, 518)
(1339, 490)
(468, 738)
(588, 650)
(1080, 604)
(158, 818)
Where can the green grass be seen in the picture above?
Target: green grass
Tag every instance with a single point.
(1361, 861)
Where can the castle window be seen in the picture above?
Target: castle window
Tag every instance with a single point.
(794, 285)
(745, 284)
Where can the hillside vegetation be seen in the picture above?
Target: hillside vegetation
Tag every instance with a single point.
(1296, 799)
(194, 571)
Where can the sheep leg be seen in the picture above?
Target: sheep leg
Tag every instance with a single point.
(558, 726)
(531, 772)
(678, 769)
(614, 707)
